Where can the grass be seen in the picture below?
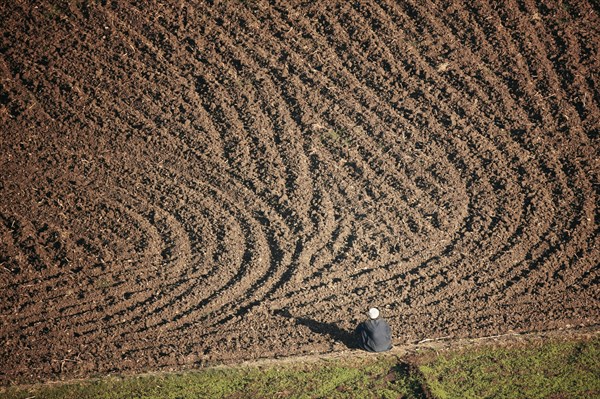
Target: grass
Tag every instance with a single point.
(376, 377)
(568, 369)
(565, 369)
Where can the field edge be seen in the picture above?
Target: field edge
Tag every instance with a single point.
(408, 361)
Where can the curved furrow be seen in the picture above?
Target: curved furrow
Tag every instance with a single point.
(561, 77)
(161, 244)
(503, 180)
(515, 72)
(233, 270)
(492, 59)
(243, 127)
(36, 263)
(550, 213)
(336, 252)
(272, 186)
(570, 238)
(258, 59)
(169, 264)
(385, 191)
(554, 245)
(561, 49)
(273, 245)
(245, 274)
(273, 229)
(564, 111)
(68, 281)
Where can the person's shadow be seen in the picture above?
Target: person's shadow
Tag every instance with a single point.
(343, 336)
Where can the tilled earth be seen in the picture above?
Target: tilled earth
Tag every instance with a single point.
(184, 183)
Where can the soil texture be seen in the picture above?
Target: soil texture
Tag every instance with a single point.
(185, 183)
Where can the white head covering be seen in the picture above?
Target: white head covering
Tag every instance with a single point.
(373, 313)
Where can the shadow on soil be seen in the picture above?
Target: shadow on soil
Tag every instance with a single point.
(317, 327)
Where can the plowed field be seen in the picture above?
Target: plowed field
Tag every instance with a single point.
(191, 182)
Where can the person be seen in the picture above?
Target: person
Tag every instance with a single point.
(374, 334)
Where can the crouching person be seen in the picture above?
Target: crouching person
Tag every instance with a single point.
(374, 334)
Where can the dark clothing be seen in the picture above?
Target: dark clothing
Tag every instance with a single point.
(374, 335)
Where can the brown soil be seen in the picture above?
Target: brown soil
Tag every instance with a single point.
(185, 184)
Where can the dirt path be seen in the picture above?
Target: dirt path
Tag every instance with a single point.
(185, 183)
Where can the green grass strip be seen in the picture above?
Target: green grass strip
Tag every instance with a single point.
(375, 377)
(553, 370)
(567, 369)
